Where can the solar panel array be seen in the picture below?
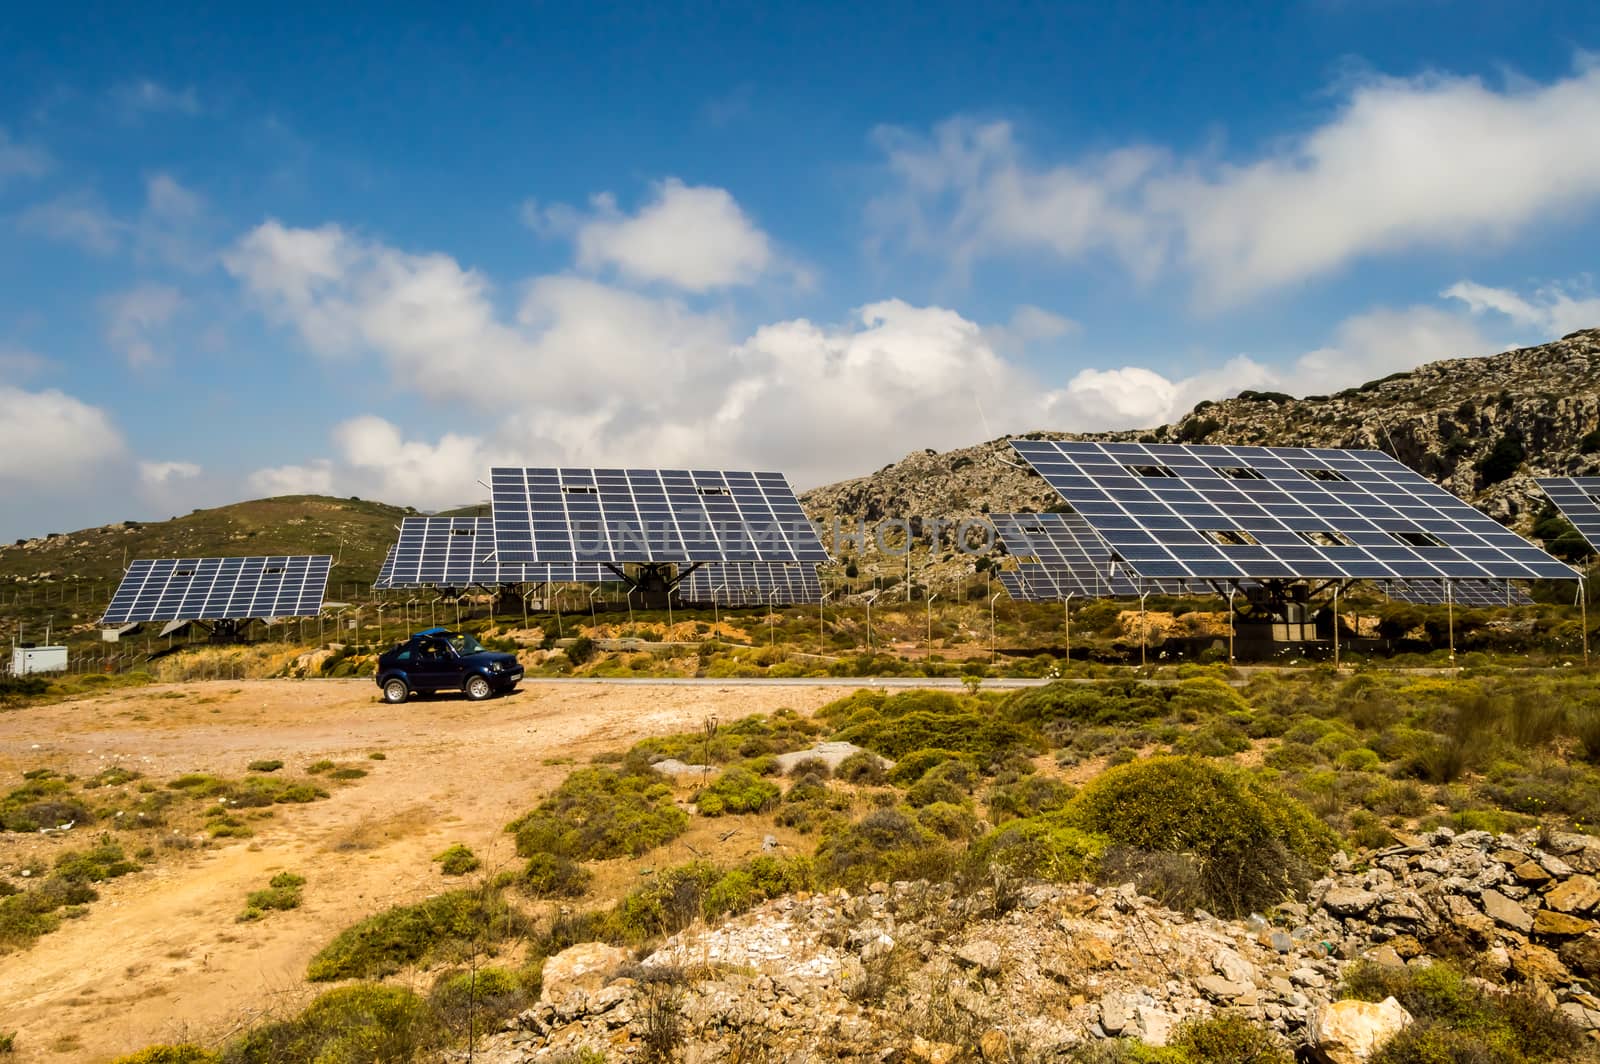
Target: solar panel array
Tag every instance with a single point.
(459, 552)
(1072, 558)
(443, 551)
(205, 589)
(1215, 512)
(1578, 499)
(753, 584)
(1461, 592)
(648, 515)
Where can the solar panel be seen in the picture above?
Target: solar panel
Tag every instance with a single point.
(1229, 513)
(1461, 592)
(649, 515)
(386, 572)
(1071, 556)
(460, 552)
(753, 584)
(552, 573)
(1019, 589)
(1578, 499)
(202, 589)
(444, 552)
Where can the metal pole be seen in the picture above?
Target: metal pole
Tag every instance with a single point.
(1142, 597)
(1336, 626)
(1231, 592)
(1450, 615)
(822, 635)
(931, 597)
(1066, 615)
(592, 617)
(772, 620)
(1583, 603)
(991, 626)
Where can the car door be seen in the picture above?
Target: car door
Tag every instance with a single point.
(435, 666)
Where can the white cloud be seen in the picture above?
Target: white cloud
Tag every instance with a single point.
(586, 373)
(51, 441)
(170, 227)
(696, 238)
(135, 318)
(17, 364)
(80, 221)
(21, 160)
(158, 474)
(1550, 312)
(146, 96)
(1425, 162)
(315, 478)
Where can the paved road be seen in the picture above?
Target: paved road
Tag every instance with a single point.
(944, 682)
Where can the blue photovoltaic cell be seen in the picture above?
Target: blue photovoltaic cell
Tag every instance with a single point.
(648, 515)
(1279, 513)
(202, 589)
(1068, 556)
(753, 584)
(1578, 499)
(1461, 592)
(459, 552)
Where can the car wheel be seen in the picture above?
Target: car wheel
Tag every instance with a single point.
(394, 692)
(478, 689)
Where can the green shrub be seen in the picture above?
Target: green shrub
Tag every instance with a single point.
(1251, 844)
(1042, 847)
(42, 801)
(884, 845)
(1460, 1021)
(581, 651)
(264, 766)
(186, 1053)
(598, 813)
(363, 1024)
(913, 766)
(1065, 702)
(477, 1000)
(282, 893)
(105, 861)
(948, 820)
(317, 768)
(737, 790)
(457, 860)
(1228, 1038)
(670, 903)
(863, 768)
(386, 942)
(550, 876)
(917, 720)
(1028, 797)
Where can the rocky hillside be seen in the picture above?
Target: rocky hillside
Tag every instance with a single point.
(1482, 427)
(914, 971)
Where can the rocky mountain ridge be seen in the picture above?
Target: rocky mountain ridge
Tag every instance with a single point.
(1482, 427)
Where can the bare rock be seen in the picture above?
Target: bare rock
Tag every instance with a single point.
(1580, 894)
(995, 1045)
(1582, 955)
(1560, 925)
(1505, 912)
(1350, 901)
(982, 955)
(581, 969)
(833, 754)
(933, 1052)
(1349, 1032)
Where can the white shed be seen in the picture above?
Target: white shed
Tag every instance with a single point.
(27, 660)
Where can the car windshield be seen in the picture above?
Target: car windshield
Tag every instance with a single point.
(464, 643)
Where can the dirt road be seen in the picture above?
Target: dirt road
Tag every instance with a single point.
(160, 957)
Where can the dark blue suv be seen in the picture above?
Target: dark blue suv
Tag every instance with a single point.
(441, 660)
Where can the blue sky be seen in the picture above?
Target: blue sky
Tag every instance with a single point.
(375, 250)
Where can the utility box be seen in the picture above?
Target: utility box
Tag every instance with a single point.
(28, 660)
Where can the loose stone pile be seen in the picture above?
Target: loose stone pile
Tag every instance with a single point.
(911, 971)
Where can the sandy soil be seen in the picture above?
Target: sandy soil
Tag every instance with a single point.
(160, 957)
